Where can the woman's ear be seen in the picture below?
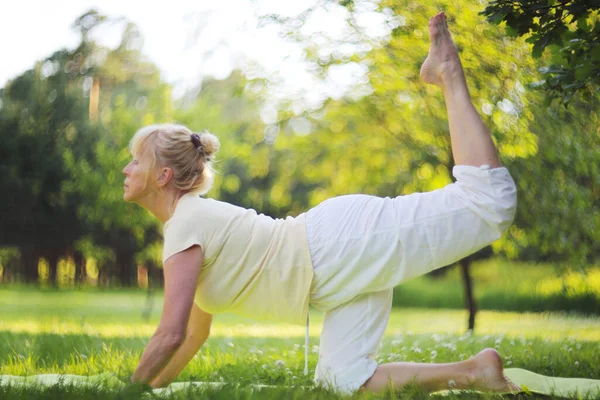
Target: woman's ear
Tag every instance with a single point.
(164, 177)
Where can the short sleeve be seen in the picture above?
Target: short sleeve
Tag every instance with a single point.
(180, 234)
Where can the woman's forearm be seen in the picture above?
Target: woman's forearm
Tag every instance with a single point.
(160, 349)
(177, 363)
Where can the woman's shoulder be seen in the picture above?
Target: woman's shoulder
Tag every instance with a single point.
(194, 206)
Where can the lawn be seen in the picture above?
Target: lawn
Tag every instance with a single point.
(509, 286)
(92, 332)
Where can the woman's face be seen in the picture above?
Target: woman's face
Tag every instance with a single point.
(136, 185)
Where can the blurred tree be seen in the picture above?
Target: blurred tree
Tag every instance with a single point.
(253, 170)
(569, 29)
(389, 136)
(66, 124)
(128, 95)
(66, 144)
(227, 109)
(40, 119)
(558, 218)
(393, 139)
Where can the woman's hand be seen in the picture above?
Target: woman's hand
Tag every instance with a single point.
(181, 278)
(197, 333)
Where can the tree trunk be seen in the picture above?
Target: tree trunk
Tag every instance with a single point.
(153, 284)
(155, 275)
(53, 268)
(103, 277)
(80, 270)
(440, 273)
(127, 269)
(470, 304)
(29, 260)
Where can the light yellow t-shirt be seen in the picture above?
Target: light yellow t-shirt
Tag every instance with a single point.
(254, 265)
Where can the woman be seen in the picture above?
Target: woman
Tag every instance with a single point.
(342, 257)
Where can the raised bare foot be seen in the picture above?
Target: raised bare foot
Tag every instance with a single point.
(487, 373)
(443, 62)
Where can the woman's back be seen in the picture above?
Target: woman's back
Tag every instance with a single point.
(254, 265)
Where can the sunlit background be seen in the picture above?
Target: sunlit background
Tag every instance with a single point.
(310, 99)
(192, 40)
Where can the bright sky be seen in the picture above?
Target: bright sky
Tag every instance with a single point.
(188, 39)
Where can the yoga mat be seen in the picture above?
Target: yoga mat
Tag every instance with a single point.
(562, 387)
(529, 381)
(107, 380)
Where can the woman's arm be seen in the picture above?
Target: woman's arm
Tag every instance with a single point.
(181, 277)
(197, 332)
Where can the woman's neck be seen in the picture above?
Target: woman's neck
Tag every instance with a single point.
(162, 203)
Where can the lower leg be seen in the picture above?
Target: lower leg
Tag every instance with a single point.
(472, 142)
(483, 372)
(431, 377)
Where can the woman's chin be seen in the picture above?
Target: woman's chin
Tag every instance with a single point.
(131, 198)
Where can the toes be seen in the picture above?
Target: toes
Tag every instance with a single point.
(514, 388)
(439, 20)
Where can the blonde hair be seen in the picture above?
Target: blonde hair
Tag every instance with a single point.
(189, 155)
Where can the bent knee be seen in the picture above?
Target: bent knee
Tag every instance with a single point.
(490, 193)
(345, 378)
(505, 201)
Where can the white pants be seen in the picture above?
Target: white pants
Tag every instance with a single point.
(362, 246)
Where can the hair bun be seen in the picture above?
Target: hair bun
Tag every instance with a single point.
(196, 140)
(210, 143)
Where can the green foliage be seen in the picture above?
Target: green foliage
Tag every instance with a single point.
(243, 162)
(131, 95)
(559, 214)
(69, 154)
(395, 139)
(568, 29)
(42, 118)
(62, 160)
(508, 286)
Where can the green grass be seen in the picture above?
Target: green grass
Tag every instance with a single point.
(92, 332)
(508, 286)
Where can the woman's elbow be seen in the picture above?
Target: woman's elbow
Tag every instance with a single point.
(199, 337)
(173, 340)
